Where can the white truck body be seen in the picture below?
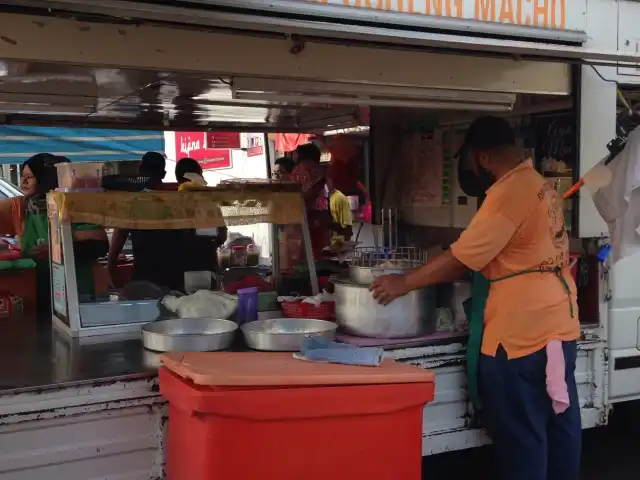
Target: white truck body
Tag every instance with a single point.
(88, 432)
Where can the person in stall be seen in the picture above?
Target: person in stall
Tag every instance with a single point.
(283, 169)
(200, 250)
(523, 317)
(290, 249)
(27, 218)
(343, 165)
(311, 176)
(156, 256)
(341, 218)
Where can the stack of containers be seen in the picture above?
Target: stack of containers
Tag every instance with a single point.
(250, 415)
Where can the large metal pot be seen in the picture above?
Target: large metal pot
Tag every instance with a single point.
(358, 313)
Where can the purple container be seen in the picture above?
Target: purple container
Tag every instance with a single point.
(247, 305)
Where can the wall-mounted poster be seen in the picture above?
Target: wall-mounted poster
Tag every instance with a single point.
(59, 291)
(423, 180)
(555, 140)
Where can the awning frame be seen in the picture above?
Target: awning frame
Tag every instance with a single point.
(245, 11)
(465, 38)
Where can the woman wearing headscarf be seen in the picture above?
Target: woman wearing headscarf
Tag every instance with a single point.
(26, 217)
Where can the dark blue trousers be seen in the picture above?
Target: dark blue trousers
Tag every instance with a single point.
(530, 441)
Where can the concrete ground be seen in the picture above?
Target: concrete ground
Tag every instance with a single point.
(611, 452)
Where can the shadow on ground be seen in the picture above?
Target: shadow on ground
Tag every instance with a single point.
(611, 452)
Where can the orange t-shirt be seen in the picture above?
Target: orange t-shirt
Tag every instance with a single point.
(519, 227)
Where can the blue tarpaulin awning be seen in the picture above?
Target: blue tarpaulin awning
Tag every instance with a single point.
(18, 143)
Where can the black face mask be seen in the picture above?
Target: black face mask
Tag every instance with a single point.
(472, 184)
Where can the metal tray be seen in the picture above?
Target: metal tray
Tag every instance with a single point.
(189, 335)
(285, 334)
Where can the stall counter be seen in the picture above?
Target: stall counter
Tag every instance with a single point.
(76, 410)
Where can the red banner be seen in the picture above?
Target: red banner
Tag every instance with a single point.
(228, 140)
(212, 158)
(187, 142)
(288, 142)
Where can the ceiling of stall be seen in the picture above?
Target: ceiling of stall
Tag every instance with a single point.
(55, 94)
(254, 82)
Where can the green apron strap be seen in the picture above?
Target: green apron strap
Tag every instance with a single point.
(479, 294)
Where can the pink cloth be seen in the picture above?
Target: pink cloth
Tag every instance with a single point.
(556, 383)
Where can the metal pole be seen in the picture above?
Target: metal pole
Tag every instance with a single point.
(395, 227)
(274, 229)
(275, 255)
(71, 284)
(389, 214)
(308, 250)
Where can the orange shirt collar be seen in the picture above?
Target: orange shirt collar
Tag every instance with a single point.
(528, 163)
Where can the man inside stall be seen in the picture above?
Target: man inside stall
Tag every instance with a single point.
(524, 317)
(156, 256)
(200, 251)
(283, 169)
(311, 176)
(341, 218)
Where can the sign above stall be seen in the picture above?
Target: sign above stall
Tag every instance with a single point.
(212, 158)
(552, 14)
(187, 142)
(229, 140)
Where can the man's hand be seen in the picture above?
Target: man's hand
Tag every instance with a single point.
(389, 287)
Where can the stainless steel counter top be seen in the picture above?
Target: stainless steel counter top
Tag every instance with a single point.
(34, 355)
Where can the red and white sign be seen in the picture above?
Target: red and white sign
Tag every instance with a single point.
(188, 142)
(212, 158)
(554, 14)
(255, 145)
(229, 140)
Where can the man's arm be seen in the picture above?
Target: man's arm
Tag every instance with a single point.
(488, 234)
(444, 268)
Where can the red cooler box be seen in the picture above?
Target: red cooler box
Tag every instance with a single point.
(252, 416)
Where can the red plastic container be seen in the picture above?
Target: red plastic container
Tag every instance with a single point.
(294, 432)
(299, 309)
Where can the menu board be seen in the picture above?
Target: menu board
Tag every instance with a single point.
(556, 143)
(423, 180)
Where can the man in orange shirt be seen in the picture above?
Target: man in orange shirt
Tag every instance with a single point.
(517, 247)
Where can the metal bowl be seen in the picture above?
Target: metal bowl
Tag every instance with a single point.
(285, 334)
(189, 335)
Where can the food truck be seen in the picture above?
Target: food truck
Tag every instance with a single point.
(426, 70)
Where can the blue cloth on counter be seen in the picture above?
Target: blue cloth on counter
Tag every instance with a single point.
(315, 343)
(317, 349)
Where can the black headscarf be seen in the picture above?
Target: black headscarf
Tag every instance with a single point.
(43, 167)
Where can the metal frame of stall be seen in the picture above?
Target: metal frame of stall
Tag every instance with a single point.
(64, 283)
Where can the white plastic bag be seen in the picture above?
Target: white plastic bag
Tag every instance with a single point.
(202, 304)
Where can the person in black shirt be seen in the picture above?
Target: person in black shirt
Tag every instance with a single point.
(199, 250)
(156, 253)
